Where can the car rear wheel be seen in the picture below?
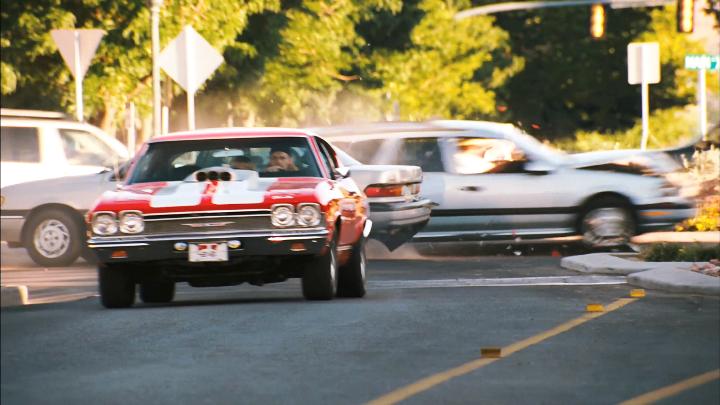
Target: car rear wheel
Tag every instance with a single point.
(157, 291)
(53, 238)
(117, 287)
(607, 222)
(351, 277)
(319, 281)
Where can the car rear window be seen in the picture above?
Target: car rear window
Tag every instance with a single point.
(176, 160)
(19, 144)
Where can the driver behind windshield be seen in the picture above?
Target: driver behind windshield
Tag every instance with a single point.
(281, 159)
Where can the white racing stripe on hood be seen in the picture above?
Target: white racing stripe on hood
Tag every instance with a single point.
(179, 195)
(240, 192)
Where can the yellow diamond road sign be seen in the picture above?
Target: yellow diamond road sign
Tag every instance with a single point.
(189, 59)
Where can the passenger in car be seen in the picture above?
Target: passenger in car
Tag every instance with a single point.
(242, 163)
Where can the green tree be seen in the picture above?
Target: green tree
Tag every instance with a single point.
(572, 82)
(445, 68)
(121, 70)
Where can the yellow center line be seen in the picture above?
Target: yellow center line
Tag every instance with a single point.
(426, 383)
(670, 390)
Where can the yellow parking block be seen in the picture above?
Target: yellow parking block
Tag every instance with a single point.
(639, 293)
(491, 352)
(594, 308)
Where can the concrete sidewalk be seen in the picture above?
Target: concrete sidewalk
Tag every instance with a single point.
(667, 276)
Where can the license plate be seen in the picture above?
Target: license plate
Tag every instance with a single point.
(208, 252)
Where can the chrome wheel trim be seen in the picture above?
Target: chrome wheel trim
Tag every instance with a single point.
(362, 267)
(607, 226)
(333, 270)
(51, 238)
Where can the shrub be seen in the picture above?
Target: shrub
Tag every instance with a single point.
(703, 172)
(668, 128)
(673, 252)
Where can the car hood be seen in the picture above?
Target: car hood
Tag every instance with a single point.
(625, 160)
(191, 196)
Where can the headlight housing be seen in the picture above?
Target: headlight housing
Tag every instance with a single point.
(283, 215)
(104, 223)
(308, 215)
(131, 222)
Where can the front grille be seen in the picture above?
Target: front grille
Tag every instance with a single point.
(216, 224)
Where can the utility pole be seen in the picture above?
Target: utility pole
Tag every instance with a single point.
(157, 101)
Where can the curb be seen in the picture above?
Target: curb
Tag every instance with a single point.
(666, 276)
(675, 280)
(604, 263)
(13, 295)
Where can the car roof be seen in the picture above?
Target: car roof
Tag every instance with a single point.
(228, 133)
(34, 114)
(434, 128)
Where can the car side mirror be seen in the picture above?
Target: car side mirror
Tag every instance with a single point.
(535, 167)
(342, 172)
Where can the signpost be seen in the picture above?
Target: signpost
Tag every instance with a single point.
(190, 60)
(77, 48)
(644, 69)
(702, 63)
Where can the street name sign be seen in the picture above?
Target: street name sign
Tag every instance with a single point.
(190, 60)
(702, 62)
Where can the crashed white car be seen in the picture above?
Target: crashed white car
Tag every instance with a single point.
(491, 181)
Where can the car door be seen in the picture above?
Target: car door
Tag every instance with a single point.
(491, 192)
(352, 205)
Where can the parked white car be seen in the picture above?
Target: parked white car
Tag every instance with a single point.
(491, 181)
(38, 145)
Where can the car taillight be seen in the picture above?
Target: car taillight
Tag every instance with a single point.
(395, 190)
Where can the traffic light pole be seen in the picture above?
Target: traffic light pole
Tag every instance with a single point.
(531, 5)
(702, 100)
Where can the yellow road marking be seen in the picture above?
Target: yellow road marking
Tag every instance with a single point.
(670, 390)
(426, 383)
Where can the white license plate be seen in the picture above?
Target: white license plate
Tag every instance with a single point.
(208, 252)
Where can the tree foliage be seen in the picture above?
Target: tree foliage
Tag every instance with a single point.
(317, 62)
(572, 82)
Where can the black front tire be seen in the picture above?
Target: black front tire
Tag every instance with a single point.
(607, 222)
(53, 238)
(351, 277)
(157, 291)
(319, 280)
(117, 287)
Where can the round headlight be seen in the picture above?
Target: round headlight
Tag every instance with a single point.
(283, 215)
(308, 215)
(104, 224)
(131, 222)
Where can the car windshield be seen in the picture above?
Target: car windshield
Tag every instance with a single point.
(269, 156)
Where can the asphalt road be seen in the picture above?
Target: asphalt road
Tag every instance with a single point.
(422, 318)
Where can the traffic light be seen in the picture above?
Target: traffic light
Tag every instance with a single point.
(597, 21)
(685, 16)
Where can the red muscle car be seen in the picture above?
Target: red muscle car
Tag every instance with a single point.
(228, 206)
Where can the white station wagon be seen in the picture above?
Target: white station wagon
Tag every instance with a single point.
(491, 181)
